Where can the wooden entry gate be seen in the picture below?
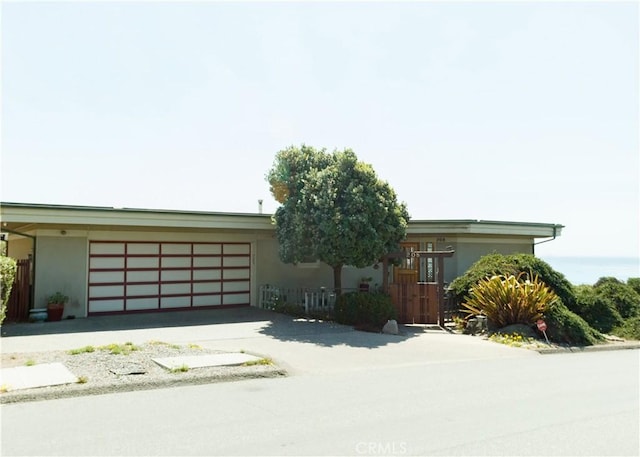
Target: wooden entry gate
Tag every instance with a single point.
(416, 303)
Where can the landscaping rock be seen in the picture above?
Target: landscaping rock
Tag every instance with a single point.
(391, 327)
(476, 325)
(472, 326)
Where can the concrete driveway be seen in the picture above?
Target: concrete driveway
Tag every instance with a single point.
(300, 346)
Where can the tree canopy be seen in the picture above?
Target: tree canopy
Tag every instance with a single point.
(333, 209)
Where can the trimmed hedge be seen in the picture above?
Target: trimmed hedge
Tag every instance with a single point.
(597, 309)
(8, 267)
(629, 329)
(565, 326)
(634, 283)
(364, 309)
(622, 296)
(514, 264)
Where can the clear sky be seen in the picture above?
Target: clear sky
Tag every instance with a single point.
(516, 111)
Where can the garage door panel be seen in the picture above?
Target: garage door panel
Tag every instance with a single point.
(236, 249)
(175, 302)
(106, 263)
(142, 276)
(199, 275)
(137, 304)
(176, 262)
(106, 306)
(207, 262)
(106, 291)
(237, 286)
(236, 262)
(176, 248)
(106, 276)
(141, 290)
(168, 289)
(107, 248)
(134, 276)
(176, 275)
(208, 248)
(143, 248)
(236, 274)
(207, 300)
(143, 262)
(204, 287)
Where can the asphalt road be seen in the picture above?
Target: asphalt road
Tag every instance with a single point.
(562, 404)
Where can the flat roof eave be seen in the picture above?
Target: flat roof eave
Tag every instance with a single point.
(132, 217)
(101, 216)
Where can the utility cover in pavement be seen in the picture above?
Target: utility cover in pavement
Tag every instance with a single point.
(46, 374)
(209, 360)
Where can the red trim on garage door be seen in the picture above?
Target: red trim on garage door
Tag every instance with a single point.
(135, 276)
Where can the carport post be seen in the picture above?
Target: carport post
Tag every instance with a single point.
(440, 291)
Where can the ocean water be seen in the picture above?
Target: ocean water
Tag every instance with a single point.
(587, 270)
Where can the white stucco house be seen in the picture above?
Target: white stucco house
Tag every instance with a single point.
(122, 260)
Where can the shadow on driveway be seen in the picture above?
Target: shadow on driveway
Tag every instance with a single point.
(330, 334)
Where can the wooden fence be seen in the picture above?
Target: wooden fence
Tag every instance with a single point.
(20, 298)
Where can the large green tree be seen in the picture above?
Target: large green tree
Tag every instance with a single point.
(333, 209)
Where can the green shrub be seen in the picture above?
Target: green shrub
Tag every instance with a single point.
(288, 308)
(565, 326)
(596, 308)
(514, 264)
(634, 283)
(364, 309)
(509, 299)
(623, 296)
(607, 280)
(629, 329)
(8, 267)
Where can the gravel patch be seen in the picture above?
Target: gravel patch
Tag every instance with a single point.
(105, 372)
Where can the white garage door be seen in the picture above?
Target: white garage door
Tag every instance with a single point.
(140, 276)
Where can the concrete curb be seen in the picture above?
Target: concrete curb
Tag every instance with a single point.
(596, 348)
(81, 390)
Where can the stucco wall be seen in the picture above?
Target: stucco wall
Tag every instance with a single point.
(468, 252)
(270, 270)
(61, 265)
(19, 247)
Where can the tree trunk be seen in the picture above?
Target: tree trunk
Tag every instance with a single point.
(337, 279)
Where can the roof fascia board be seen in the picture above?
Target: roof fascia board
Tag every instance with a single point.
(530, 229)
(126, 217)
